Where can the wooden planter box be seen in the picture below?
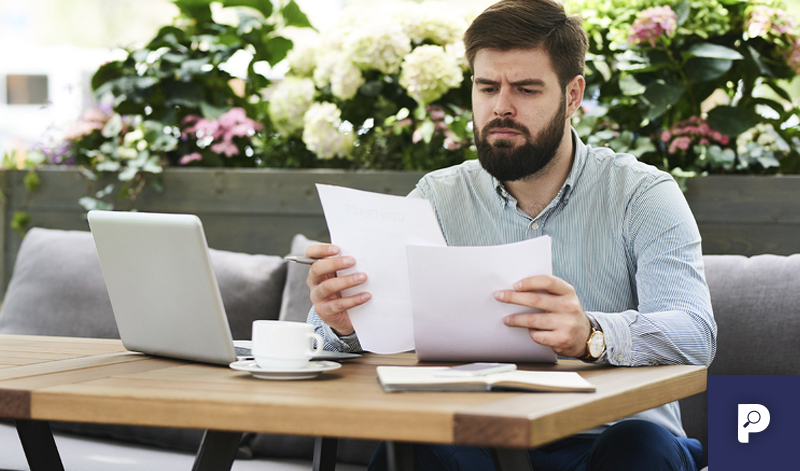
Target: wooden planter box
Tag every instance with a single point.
(243, 210)
(259, 210)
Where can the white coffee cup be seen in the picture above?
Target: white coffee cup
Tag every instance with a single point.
(284, 345)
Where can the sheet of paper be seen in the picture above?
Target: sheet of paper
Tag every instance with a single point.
(374, 229)
(456, 317)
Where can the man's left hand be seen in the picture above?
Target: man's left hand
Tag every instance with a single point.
(563, 325)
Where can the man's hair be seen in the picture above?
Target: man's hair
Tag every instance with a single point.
(531, 24)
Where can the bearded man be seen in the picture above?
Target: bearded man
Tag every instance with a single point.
(627, 262)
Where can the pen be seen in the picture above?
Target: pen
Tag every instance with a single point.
(300, 259)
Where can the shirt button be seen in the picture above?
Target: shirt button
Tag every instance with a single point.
(535, 226)
(620, 358)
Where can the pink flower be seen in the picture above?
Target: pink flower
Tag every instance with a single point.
(651, 24)
(233, 123)
(225, 147)
(681, 143)
(194, 156)
(665, 135)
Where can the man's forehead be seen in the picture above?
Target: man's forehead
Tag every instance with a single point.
(513, 65)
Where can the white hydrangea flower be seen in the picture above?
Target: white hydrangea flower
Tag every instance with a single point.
(345, 80)
(326, 67)
(302, 58)
(288, 103)
(325, 134)
(432, 23)
(428, 72)
(378, 45)
(459, 53)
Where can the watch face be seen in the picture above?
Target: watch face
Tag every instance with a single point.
(596, 344)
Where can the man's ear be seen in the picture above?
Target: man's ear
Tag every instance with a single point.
(574, 94)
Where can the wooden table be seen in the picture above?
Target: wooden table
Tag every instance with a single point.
(94, 380)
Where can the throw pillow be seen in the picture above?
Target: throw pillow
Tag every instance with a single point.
(296, 300)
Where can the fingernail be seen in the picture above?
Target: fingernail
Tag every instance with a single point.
(518, 285)
(348, 261)
(507, 320)
(365, 297)
(499, 295)
(332, 250)
(359, 277)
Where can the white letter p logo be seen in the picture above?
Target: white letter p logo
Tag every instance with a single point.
(753, 418)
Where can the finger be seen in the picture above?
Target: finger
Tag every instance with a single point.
(532, 320)
(537, 300)
(548, 283)
(335, 285)
(340, 305)
(321, 250)
(327, 267)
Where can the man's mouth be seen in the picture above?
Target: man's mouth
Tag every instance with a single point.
(504, 133)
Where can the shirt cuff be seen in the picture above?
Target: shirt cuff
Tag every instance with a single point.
(617, 336)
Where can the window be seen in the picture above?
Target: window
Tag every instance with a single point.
(26, 90)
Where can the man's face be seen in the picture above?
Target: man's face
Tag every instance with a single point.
(519, 112)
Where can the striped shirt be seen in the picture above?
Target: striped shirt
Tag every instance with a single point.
(622, 235)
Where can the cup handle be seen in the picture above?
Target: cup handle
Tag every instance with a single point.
(320, 346)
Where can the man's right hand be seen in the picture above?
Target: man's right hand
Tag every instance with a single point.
(326, 287)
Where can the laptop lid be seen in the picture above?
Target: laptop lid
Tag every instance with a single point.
(161, 284)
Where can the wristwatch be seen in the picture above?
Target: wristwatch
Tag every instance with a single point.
(595, 346)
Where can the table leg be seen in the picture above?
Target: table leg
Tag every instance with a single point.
(400, 456)
(325, 454)
(39, 445)
(217, 451)
(508, 459)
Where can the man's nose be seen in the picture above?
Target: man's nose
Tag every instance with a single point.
(503, 106)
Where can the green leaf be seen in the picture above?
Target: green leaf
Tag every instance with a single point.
(198, 10)
(107, 72)
(88, 203)
(427, 129)
(712, 51)
(32, 181)
(702, 69)
(662, 96)
(294, 16)
(108, 166)
(19, 221)
(262, 6)
(731, 120)
(778, 90)
(277, 48)
(628, 85)
(682, 11)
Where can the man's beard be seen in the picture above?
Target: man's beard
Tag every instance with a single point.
(507, 163)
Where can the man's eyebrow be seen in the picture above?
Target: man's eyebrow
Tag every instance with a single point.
(524, 82)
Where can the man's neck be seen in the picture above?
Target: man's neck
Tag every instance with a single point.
(535, 192)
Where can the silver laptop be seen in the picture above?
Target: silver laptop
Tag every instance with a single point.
(162, 287)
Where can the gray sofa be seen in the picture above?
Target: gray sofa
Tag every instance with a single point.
(57, 289)
(756, 304)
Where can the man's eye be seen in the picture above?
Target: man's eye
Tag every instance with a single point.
(488, 90)
(527, 91)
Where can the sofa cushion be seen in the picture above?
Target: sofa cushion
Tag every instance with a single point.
(296, 300)
(756, 303)
(57, 288)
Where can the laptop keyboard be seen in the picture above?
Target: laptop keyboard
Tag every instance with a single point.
(243, 351)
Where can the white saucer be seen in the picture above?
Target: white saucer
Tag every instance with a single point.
(313, 369)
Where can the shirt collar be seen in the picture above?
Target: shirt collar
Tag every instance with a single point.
(574, 174)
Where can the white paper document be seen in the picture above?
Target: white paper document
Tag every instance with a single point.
(457, 318)
(374, 229)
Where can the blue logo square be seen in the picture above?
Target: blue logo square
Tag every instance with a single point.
(753, 422)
